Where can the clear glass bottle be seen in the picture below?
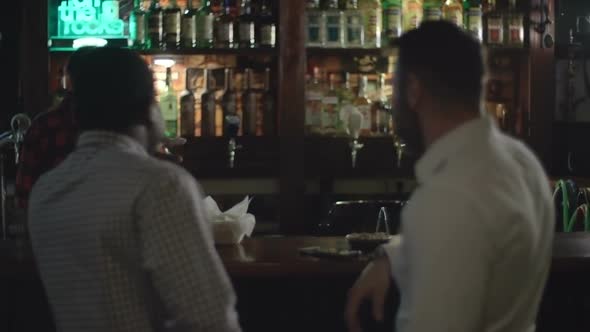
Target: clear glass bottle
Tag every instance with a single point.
(495, 26)
(208, 107)
(228, 100)
(392, 20)
(138, 26)
(453, 12)
(474, 18)
(314, 24)
(432, 10)
(330, 108)
(269, 121)
(373, 22)
(169, 107)
(381, 111)
(171, 21)
(333, 25)
(155, 25)
(363, 105)
(412, 14)
(514, 26)
(205, 23)
(354, 36)
(187, 106)
(224, 28)
(266, 27)
(246, 25)
(249, 106)
(188, 29)
(314, 93)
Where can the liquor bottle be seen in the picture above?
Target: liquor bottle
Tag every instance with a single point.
(169, 107)
(217, 7)
(188, 31)
(61, 91)
(205, 23)
(224, 28)
(333, 25)
(208, 107)
(432, 10)
(354, 34)
(246, 26)
(330, 108)
(346, 94)
(138, 26)
(314, 93)
(155, 25)
(266, 27)
(514, 26)
(474, 18)
(228, 100)
(495, 26)
(412, 14)
(363, 105)
(453, 12)
(249, 106)
(371, 10)
(381, 109)
(392, 20)
(172, 25)
(269, 120)
(314, 24)
(187, 107)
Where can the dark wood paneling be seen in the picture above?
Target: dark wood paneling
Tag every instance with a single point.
(35, 57)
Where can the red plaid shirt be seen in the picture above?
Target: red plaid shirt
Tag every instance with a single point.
(51, 137)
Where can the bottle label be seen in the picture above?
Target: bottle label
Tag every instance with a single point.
(204, 27)
(432, 14)
(455, 16)
(189, 29)
(393, 19)
(313, 108)
(333, 28)
(268, 35)
(495, 31)
(314, 28)
(330, 113)
(373, 27)
(172, 24)
(412, 15)
(246, 30)
(140, 33)
(225, 32)
(365, 110)
(515, 31)
(474, 22)
(354, 29)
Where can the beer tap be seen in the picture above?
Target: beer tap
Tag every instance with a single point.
(355, 123)
(20, 123)
(400, 148)
(232, 126)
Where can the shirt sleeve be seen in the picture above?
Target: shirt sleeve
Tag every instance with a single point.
(179, 253)
(442, 261)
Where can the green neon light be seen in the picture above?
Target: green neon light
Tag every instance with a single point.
(89, 41)
(79, 18)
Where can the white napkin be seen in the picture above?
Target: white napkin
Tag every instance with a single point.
(231, 226)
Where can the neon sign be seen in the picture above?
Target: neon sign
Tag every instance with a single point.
(77, 18)
(89, 41)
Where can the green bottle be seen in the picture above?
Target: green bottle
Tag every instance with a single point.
(432, 10)
(138, 26)
(472, 9)
(205, 19)
(392, 20)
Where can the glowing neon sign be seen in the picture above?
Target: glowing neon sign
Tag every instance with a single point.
(77, 18)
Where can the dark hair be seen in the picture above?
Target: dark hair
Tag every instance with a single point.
(446, 59)
(75, 62)
(114, 90)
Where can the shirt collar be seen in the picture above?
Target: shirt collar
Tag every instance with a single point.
(99, 138)
(437, 155)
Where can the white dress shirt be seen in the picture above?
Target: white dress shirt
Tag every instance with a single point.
(476, 239)
(122, 243)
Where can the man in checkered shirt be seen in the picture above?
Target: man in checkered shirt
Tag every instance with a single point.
(120, 238)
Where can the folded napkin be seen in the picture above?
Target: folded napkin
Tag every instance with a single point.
(231, 226)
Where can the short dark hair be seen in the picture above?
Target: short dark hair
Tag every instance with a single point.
(445, 58)
(76, 62)
(114, 90)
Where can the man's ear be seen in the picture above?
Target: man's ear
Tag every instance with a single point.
(414, 91)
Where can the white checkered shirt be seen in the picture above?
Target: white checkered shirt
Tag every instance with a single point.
(122, 243)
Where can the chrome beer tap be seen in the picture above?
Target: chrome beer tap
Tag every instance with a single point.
(231, 130)
(355, 123)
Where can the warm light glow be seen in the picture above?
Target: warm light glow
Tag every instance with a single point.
(89, 41)
(165, 62)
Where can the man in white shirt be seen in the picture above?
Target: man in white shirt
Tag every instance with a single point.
(120, 237)
(477, 233)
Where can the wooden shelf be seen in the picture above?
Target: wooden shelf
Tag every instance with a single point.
(199, 51)
(321, 51)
